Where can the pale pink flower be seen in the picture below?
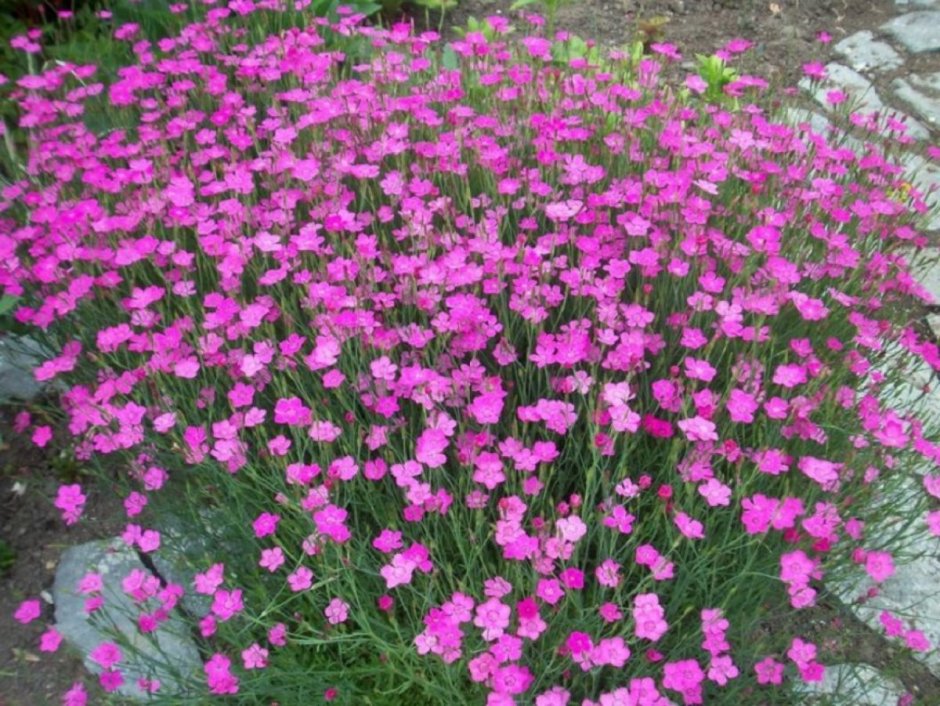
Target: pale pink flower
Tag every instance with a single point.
(337, 611)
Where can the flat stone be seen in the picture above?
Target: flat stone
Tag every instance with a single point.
(841, 77)
(912, 593)
(926, 271)
(863, 95)
(817, 122)
(925, 176)
(917, 3)
(914, 128)
(18, 357)
(922, 93)
(933, 321)
(857, 684)
(170, 654)
(186, 551)
(863, 51)
(917, 31)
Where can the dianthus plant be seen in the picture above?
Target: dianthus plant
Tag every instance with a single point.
(519, 382)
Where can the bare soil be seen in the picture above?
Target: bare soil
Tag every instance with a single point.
(31, 528)
(783, 31)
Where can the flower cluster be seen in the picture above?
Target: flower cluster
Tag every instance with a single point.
(495, 374)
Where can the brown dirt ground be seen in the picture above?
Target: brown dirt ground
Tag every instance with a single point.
(784, 32)
(33, 529)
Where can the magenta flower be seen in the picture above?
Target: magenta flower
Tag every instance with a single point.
(337, 611)
(300, 580)
(492, 617)
(649, 617)
(27, 611)
(106, 655)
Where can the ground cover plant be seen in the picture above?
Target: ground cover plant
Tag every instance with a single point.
(496, 373)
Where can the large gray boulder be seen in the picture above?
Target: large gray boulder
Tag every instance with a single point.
(917, 31)
(18, 357)
(170, 654)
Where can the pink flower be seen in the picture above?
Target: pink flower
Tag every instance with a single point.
(556, 696)
(180, 192)
(689, 527)
(512, 679)
(815, 71)
(50, 640)
(826, 473)
(649, 617)
(398, 572)
(573, 578)
(206, 583)
(933, 522)
(769, 671)
(486, 408)
(758, 511)
(790, 375)
(265, 524)
(385, 603)
(300, 580)
(42, 436)
(493, 617)
(430, 448)
(722, 669)
(698, 429)
(608, 574)
(549, 590)
(28, 611)
(741, 406)
(917, 641)
(277, 635)
(715, 493)
(71, 502)
(610, 612)
(337, 611)
(611, 651)
(696, 369)
(218, 675)
(227, 604)
(291, 411)
(255, 657)
(686, 677)
(879, 565)
(75, 696)
(272, 559)
(106, 655)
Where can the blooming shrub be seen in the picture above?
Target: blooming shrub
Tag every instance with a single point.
(516, 382)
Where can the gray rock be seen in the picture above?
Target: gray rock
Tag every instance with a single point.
(864, 97)
(185, 553)
(911, 594)
(933, 321)
(917, 31)
(170, 654)
(857, 684)
(817, 122)
(18, 357)
(841, 77)
(910, 386)
(917, 3)
(926, 177)
(925, 267)
(820, 125)
(922, 93)
(863, 52)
